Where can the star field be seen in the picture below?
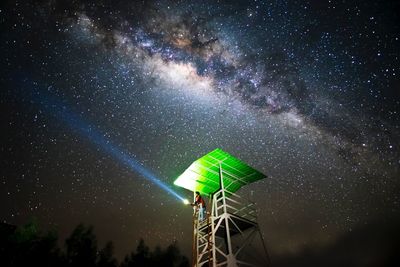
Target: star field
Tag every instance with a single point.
(305, 91)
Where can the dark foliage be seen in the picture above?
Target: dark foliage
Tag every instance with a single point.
(171, 257)
(28, 246)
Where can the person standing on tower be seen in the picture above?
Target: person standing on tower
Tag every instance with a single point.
(201, 205)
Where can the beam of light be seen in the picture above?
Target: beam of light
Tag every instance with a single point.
(61, 112)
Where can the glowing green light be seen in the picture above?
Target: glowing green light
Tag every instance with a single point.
(203, 174)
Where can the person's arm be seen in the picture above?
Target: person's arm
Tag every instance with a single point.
(195, 203)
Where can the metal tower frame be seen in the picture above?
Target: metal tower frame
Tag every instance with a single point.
(231, 226)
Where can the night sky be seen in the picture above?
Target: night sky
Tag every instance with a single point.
(305, 91)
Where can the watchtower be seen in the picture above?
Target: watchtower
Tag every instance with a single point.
(226, 236)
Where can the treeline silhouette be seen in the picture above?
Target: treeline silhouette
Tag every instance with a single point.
(28, 246)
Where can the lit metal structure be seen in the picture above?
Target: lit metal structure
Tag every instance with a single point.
(224, 238)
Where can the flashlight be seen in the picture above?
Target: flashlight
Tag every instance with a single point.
(186, 202)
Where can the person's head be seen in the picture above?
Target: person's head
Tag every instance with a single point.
(197, 193)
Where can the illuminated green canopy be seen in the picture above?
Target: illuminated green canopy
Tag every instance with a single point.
(203, 174)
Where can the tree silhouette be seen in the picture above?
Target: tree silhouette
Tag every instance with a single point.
(171, 257)
(82, 247)
(27, 246)
(106, 258)
(140, 258)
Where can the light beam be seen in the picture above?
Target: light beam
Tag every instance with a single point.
(60, 111)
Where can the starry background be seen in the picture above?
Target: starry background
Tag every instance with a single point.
(305, 91)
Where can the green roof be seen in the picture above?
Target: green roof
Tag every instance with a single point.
(203, 174)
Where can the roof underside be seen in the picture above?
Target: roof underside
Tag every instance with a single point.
(203, 174)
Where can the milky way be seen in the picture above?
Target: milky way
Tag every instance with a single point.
(183, 51)
(306, 92)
